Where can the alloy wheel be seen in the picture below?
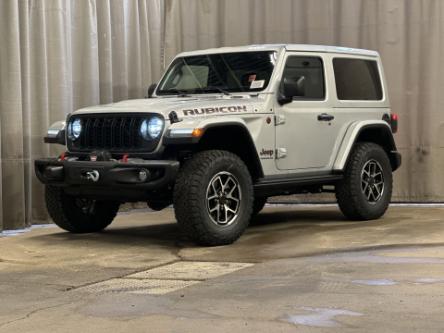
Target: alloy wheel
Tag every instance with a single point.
(223, 198)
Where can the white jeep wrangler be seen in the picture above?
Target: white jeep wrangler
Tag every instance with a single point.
(224, 130)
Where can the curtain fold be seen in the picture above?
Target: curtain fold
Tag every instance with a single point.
(58, 56)
(408, 35)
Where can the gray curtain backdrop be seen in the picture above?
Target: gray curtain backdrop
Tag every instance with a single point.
(59, 55)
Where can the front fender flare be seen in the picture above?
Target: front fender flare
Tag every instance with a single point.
(181, 132)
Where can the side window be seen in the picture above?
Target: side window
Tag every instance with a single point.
(307, 74)
(357, 79)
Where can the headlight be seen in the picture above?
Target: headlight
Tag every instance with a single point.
(151, 129)
(74, 129)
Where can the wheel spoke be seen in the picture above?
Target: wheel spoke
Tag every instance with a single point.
(218, 213)
(373, 168)
(366, 172)
(212, 197)
(371, 193)
(213, 186)
(229, 209)
(230, 194)
(365, 187)
(378, 192)
(226, 213)
(215, 208)
(227, 183)
(233, 198)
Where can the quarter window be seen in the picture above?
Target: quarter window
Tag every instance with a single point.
(357, 79)
(308, 74)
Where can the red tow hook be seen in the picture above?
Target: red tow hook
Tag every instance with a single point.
(125, 158)
(62, 156)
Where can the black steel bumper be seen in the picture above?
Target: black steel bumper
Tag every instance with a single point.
(100, 176)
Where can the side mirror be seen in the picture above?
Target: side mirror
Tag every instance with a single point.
(291, 88)
(151, 89)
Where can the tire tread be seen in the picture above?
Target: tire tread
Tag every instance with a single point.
(188, 210)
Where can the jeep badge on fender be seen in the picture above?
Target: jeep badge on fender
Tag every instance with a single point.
(222, 131)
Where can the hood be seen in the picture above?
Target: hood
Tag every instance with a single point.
(184, 106)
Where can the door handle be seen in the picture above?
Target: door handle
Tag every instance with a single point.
(325, 117)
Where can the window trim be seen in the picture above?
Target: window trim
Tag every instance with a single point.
(324, 76)
(159, 93)
(381, 83)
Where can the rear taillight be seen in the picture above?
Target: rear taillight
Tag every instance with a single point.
(394, 122)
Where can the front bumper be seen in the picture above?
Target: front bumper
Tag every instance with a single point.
(104, 176)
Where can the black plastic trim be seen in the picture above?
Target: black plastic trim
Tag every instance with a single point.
(395, 160)
(288, 184)
(393, 154)
(59, 139)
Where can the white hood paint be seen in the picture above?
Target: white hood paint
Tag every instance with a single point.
(164, 105)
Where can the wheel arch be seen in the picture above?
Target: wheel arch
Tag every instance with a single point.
(233, 137)
(378, 132)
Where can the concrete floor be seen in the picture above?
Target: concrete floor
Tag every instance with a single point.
(299, 269)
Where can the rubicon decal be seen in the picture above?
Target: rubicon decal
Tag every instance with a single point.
(220, 109)
(266, 153)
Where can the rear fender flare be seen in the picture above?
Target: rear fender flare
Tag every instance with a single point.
(353, 134)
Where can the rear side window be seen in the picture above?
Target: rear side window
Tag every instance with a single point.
(308, 73)
(357, 79)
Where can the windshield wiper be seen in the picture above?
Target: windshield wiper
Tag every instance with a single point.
(178, 92)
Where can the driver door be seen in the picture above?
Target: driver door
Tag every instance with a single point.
(306, 130)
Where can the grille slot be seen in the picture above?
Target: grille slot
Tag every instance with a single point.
(112, 132)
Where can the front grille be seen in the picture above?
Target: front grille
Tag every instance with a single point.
(113, 133)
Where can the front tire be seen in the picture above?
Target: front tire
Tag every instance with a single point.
(366, 190)
(213, 197)
(79, 215)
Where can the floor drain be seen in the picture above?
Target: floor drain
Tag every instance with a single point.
(191, 270)
(141, 287)
(166, 279)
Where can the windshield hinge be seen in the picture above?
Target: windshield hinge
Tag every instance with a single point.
(279, 119)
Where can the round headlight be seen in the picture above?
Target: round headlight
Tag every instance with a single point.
(74, 129)
(151, 129)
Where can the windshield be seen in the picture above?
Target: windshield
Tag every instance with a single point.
(222, 72)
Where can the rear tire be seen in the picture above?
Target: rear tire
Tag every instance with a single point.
(366, 190)
(213, 197)
(79, 215)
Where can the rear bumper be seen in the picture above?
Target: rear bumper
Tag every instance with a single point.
(107, 177)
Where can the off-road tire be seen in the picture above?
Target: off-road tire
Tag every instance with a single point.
(69, 216)
(351, 199)
(190, 197)
(258, 205)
